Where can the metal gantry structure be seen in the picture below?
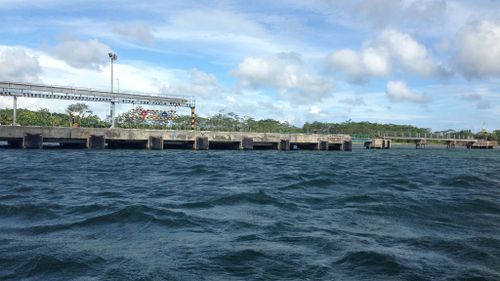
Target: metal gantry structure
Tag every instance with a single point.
(30, 90)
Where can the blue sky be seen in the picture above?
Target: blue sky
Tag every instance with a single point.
(429, 63)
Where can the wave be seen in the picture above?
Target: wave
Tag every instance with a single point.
(469, 181)
(28, 211)
(127, 215)
(54, 266)
(371, 262)
(259, 198)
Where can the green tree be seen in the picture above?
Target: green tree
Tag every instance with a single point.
(77, 112)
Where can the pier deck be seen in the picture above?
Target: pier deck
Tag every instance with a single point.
(100, 138)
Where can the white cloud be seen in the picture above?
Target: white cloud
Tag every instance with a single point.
(479, 50)
(18, 66)
(376, 61)
(285, 73)
(197, 83)
(393, 50)
(315, 110)
(349, 62)
(398, 91)
(90, 54)
(411, 55)
(139, 31)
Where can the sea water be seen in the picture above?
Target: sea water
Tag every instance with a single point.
(398, 214)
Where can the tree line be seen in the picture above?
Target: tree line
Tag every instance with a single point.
(79, 115)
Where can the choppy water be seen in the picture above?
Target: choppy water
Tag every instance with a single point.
(399, 214)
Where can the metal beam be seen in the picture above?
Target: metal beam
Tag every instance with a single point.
(29, 90)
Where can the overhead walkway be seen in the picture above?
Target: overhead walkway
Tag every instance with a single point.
(30, 90)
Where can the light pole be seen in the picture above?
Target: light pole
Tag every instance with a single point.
(112, 57)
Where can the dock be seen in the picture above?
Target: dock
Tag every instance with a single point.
(421, 142)
(31, 137)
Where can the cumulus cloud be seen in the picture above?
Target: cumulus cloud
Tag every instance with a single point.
(198, 83)
(137, 31)
(398, 91)
(90, 54)
(18, 66)
(391, 51)
(478, 53)
(285, 73)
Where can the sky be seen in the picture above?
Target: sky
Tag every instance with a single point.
(428, 63)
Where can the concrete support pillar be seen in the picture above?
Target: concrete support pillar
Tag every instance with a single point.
(201, 143)
(322, 145)
(368, 144)
(284, 145)
(113, 109)
(347, 145)
(32, 141)
(155, 143)
(246, 143)
(419, 144)
(96, 142)
(14, 111)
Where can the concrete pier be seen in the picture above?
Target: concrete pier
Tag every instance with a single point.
(483, 144)
(32, 141)
(284, 145)
(348, 145)
(322, 145)
(106, 138)
(378, 143)
(96, 142)
(420, 143)
(155, 143)
(451, 144)
(246, 143)
(201, 143)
